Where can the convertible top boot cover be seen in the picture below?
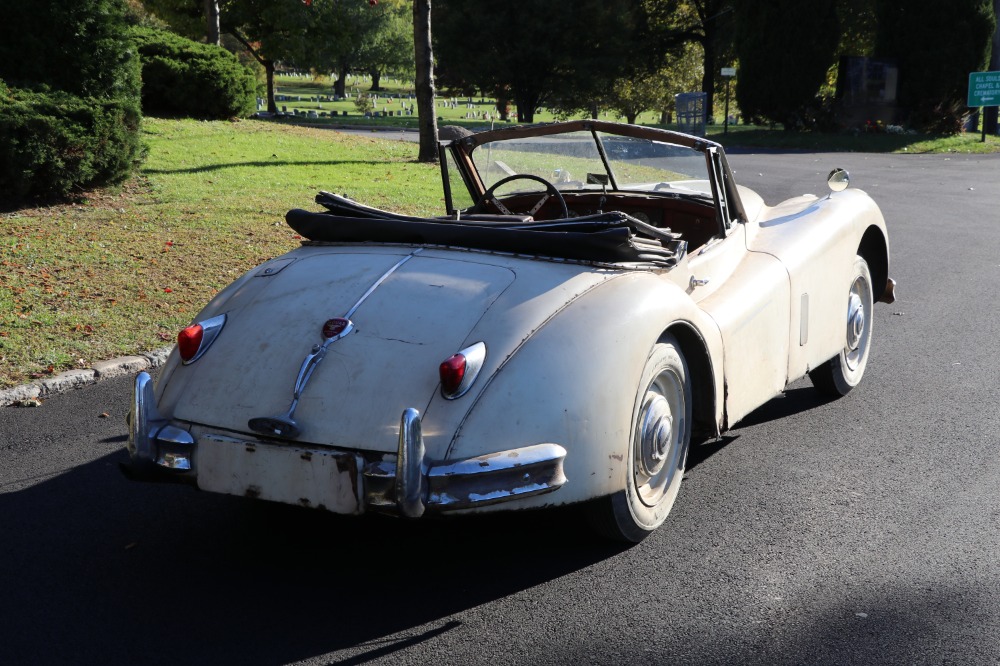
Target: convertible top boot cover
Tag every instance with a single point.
(606, 238)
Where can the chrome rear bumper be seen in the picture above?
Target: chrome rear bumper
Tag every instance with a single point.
(407, 484)
(412, 485)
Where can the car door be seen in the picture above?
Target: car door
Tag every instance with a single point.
(747, 295)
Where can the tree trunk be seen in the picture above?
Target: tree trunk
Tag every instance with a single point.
(340, 85)
(594, 111)
(708, 79)
(503, 108)
(990, 124)
(376, 80)
(526, 104)
(269, 73)
(212, 32)
(267, 64)
(630, 117)
(424, 61)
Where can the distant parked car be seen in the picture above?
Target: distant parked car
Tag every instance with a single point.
(594, 297)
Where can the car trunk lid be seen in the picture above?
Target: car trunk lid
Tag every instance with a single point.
(409, 313)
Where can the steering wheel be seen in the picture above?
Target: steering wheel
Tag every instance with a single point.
(550, 191)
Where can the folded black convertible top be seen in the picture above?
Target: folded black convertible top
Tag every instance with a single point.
(607, 238)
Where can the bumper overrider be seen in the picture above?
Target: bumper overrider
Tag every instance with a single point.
(344, 481)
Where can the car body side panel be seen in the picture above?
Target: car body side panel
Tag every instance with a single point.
(746, 294)
(751, 310)
(817, 240)
(575, 383)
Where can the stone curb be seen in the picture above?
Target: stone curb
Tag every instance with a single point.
(124, 365)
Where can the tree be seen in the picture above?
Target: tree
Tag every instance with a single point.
(540, 49)
(391, 45)
(339, 35)
(213, 29)
(655, 91)
(936, 45)
(270, 30)
(857, 27)
(188, 18)
(424, 63)
(709, 23)
(785, 49)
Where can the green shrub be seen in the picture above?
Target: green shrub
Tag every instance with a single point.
(184, 78)
(54, 144)
(80, 47)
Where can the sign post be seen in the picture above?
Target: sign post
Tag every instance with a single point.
(728, 73)
(984, 90)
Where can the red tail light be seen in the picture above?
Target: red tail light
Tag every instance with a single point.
(459, 371)
(195, 340)
(452, 373)
(189, 341)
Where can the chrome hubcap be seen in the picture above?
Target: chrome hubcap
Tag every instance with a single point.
(656, 434)
(658, 450)
(858, 323)
(855, 321)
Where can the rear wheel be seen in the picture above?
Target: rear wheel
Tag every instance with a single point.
(843, 372)
(658, 451)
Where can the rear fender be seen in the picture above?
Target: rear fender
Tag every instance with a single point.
(575, 381)
(218, 305)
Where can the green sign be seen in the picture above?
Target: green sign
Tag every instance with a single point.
(984, 89)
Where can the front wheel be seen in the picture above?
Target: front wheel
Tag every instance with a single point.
(843, 372)
(658, 451)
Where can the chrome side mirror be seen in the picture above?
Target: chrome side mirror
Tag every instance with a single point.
(838, 180)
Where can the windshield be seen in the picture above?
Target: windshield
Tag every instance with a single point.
(573, 161)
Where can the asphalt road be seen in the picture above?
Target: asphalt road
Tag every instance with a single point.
(861, 531)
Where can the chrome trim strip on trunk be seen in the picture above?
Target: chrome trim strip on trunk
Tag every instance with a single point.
(379, 281)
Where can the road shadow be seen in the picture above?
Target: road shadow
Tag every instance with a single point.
(793, 401)
(264, 163)
(97, 569)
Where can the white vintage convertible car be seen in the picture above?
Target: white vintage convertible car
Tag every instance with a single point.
(595, 297)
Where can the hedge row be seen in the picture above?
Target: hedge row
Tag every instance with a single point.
(53, 143)
(78, 46)
(184, 78)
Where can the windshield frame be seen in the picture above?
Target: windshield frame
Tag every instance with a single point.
(723, 189)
